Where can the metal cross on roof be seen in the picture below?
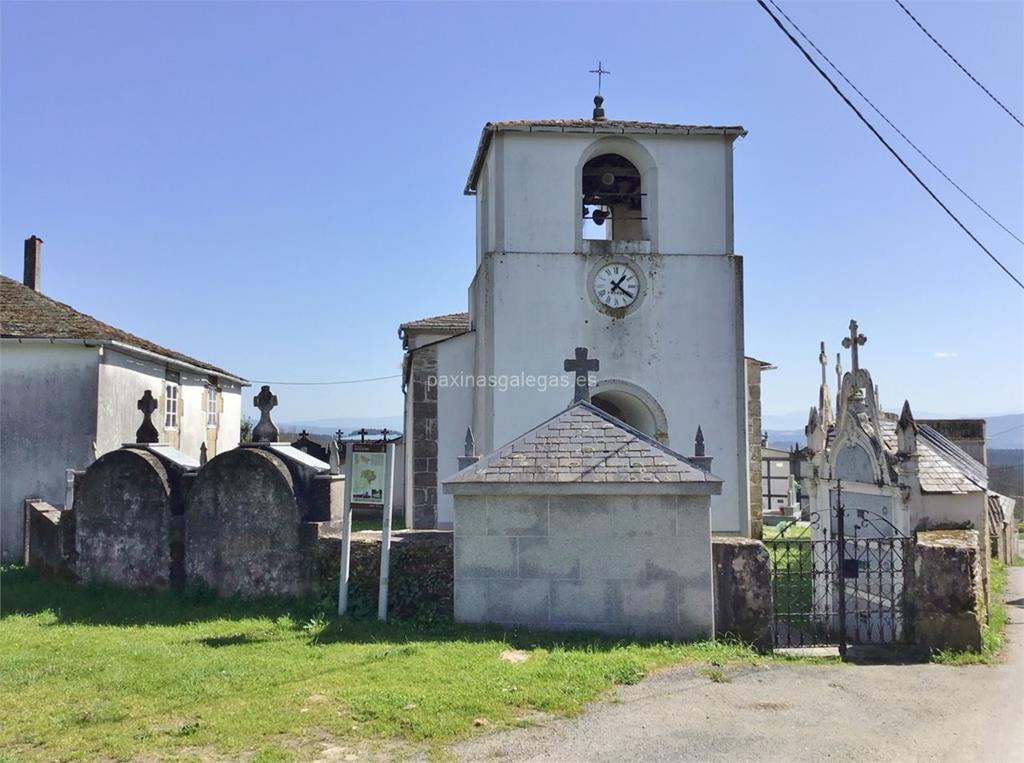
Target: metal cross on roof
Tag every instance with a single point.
(600, 72)
(851, 343)
(579, 367)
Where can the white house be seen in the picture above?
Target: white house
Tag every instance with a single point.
(68, 390)
(614, 236)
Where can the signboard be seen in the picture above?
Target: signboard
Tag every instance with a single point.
(369, 471)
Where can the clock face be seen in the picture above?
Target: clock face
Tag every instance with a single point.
(616, 285)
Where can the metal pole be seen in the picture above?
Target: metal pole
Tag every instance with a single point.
(841, 553)
(385, 538)
(346, 537)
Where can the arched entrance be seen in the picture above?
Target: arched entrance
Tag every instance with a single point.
(632, 405)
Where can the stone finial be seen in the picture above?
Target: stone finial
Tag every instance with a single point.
(699, 458)
(469, 456)
(906, 431)
(265, 431)
(334, 457)
(581, 367)
(813, 422)
(203, 458)
(147, 432)
(814, 430)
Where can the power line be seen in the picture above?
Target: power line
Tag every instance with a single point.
(885, 143)
(324, 383)
(952, 58)
(1005, 431)
(894, 127)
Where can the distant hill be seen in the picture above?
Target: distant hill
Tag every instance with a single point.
(1003, 432)
(344, 423)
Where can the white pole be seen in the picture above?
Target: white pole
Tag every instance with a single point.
(346, 536)
(385, 538)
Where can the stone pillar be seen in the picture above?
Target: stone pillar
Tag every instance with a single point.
(947, 592)
(754, 446)
(743, 590)
(423, 388)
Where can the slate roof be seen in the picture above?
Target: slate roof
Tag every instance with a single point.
(595, 126)
(583, 444)
(452, 323)
(27, 314)
(943, 467)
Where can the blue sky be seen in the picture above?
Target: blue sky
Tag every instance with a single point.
(274, 187)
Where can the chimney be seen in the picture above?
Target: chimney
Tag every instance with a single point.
(33, 255)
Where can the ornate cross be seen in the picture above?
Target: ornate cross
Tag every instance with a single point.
(265, 431)
(600, 72)
(147, 432)
(851, 343)
(579, 367)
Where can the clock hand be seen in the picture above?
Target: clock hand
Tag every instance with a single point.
(616, 286)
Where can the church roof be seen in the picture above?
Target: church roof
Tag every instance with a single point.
(595, 126)
(27, 314)
(451, 323)
(943, 467)
(583, 444)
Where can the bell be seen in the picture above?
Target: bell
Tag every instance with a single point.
(600, 216)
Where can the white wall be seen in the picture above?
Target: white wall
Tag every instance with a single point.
(47, 424)
(454, 415)
(123, 378)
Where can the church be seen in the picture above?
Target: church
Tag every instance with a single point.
(608, 235)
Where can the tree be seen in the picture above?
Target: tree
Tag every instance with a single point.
(245, 435)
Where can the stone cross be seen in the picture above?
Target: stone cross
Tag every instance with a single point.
(851, 343)
(265, 431)
(839, 375)
(147, 432)
(362, 434)
(823, 362)
(580, 366)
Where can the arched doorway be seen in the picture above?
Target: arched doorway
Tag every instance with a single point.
(633, 406)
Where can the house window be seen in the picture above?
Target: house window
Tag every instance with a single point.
(211, 406)
(171, 405)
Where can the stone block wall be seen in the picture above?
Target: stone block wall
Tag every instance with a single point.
(743, 590)
(754, 447)
(948, 594)
(634, 565)
(424, 438)
(50, 538)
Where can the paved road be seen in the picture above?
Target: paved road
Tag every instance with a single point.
(797, 713)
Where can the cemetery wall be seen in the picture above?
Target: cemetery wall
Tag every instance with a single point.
(635, 565)
(948, 591)
(47, 425)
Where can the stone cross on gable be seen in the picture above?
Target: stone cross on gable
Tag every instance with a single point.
(851, 343)
(265, 431)
(147, 432)
(580, 367)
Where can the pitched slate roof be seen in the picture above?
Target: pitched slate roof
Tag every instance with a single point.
(595, 126)
(583, 444)
(452, 323)
(943, 467)
(27, 314)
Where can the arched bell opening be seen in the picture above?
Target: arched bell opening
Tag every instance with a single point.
(613, 200)
(633, 406)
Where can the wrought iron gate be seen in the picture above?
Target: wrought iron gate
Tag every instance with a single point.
(844, 583)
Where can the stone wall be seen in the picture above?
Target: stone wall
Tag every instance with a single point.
(743, 590)
(948, 599)
(424, 438)
(50, 541)
(754, 447)
(420, 580)
(633, 565)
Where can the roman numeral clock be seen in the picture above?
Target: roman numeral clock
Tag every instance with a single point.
(616, 287)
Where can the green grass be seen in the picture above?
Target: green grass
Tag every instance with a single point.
(104, 673)
(993, 634)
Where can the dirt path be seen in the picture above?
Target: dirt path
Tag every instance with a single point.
(797, 713)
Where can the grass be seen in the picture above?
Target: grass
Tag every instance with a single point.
(102, 673)
(993, 634)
